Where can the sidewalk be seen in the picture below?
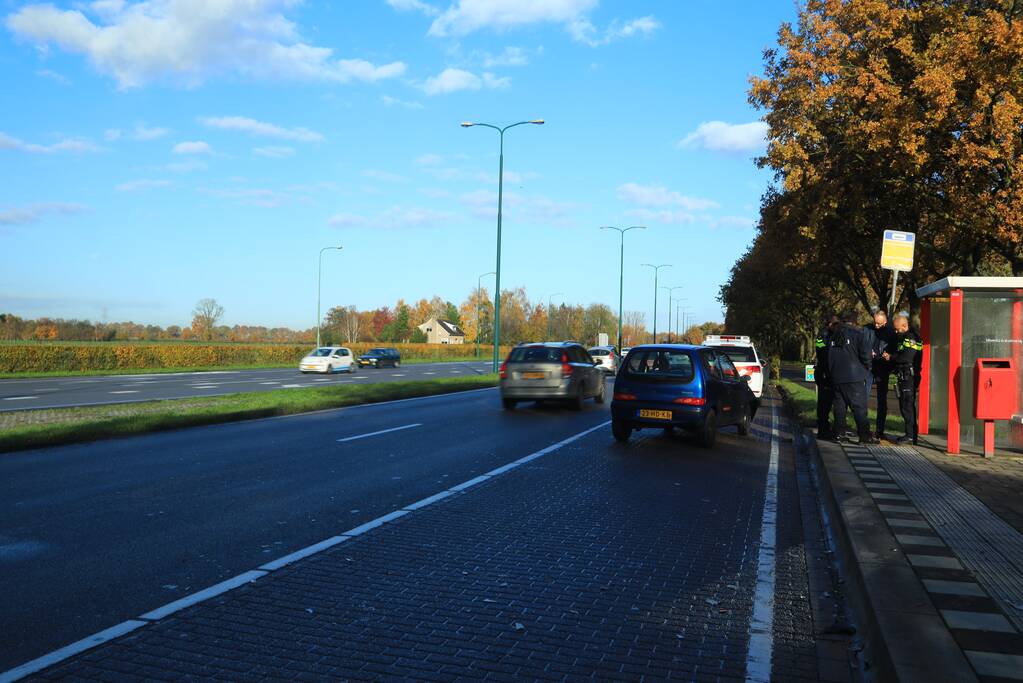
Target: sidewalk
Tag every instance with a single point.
(935, 546)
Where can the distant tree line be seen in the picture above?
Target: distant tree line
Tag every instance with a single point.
(882, 115)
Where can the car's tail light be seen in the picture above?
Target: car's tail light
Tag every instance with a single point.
(566, 369)
(749, 370)
(625, 397)
(503, 371)
(691, 401)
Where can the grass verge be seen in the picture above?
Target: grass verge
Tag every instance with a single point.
(73, 425)
(803, 402)
(158, 371)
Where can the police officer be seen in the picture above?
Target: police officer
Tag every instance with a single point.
(881, 369)
(849, 360)
(905, 355)
(825, 389)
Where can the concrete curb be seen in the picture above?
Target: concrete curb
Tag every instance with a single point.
(905, 637)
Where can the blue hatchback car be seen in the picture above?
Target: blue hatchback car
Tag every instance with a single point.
(680, 386)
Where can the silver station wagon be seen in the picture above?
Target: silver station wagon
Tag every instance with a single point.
(555, 371)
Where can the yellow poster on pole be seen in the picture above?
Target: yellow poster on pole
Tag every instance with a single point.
(897, 250)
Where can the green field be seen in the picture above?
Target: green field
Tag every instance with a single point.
(50, 427)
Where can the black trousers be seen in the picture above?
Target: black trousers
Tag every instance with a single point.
(825, 402)
(852, 395)
(907, 401)
(881, 380)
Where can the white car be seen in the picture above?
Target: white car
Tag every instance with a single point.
(607, 357)
(743, 354)
(328, 359)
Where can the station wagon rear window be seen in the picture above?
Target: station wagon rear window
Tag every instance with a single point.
(738, 354)
(659, 365)
(599, 352)
(319, 353)
(536, 354)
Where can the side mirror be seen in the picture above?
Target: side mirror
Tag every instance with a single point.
(745, 378)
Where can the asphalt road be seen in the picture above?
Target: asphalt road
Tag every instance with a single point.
(94, 534)
(63, 392)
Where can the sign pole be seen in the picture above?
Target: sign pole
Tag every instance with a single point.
(895, 284)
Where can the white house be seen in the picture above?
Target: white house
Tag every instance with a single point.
(442, 332)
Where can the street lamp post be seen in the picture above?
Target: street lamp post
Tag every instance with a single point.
(479, 289)
(500, 200)
(678, 307)
(549, 312)
(621, 273)
(670, 301)
(657, 270)
(319, 281)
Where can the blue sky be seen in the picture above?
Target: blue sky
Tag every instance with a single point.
(154, 153)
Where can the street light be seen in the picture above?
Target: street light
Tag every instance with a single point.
(657, 270)
(549, 312)
(621, 273)
(479, 289)
(686, 321)
(500, 199)
(319, 280)
(678, 307)
(670, 300)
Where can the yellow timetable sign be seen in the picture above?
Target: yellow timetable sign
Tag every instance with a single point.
(897, 250)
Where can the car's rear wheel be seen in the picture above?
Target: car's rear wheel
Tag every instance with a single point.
(744, 420)
(602, 394)
(397, 363)
(708, 432)
(576, 403)
(509, 403)
(621, 430)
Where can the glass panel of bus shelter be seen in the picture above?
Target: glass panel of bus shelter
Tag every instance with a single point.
(991, 329)
(939, 367)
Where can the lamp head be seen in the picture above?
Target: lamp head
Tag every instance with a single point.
(467, 124)
(538, 122)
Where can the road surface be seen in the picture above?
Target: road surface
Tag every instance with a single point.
(63, 392)
(631, 560)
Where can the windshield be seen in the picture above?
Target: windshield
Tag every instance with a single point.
(738, 354)
(660, 365)
(320, 353)
(374, 352)
(535, 354)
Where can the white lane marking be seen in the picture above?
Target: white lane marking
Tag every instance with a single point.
(205, 386)
(224, 586)
(397, 374)
(71, 650)
(189, 600)
(761, 640)
(456, 372)
(20, 398)
(322, 379)
(269, 382)
(125, 391)
(429, 373)
(292, 386)
(382, 431)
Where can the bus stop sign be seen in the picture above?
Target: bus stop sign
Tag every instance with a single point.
(897, 250)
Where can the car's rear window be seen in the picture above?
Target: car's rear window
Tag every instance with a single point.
(660, 364)
(319, 353)
(535, 354)
(738, 354)
(599, 352)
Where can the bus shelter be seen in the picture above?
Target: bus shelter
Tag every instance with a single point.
(963, 319)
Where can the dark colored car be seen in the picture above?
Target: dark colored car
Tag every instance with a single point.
(380, 358)
(672, 386)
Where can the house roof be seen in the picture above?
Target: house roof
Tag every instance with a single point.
(449, 327)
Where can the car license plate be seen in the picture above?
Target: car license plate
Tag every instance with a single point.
(656, 414)
(533, 375)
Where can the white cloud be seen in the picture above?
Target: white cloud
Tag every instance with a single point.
(143, 133)
(13, 215)
(190, 40)
(452, 80)
(111, 134)
(384, 176)
(394, 217)
(512, 56)
(53, 76)
(274, 151)
(483, 205)
(142, 184)
(429, 160)
(261, 128)
(193, 147)
(583, 30)
(467, 16)
(719, 136)
(667, 216)
(413, 6)
(658, 195)
(394, 101)
(261, 197)
(75, 145)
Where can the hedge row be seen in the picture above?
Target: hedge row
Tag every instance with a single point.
(145, 356)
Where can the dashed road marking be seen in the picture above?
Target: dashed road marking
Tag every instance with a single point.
(20, 398)
(125, 391)
(382, 431)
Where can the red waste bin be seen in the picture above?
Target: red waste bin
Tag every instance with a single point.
(995, 390)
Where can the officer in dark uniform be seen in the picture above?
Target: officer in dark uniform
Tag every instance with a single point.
(849, 360)
(905, 355)
(825, 390)
(881, 369)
